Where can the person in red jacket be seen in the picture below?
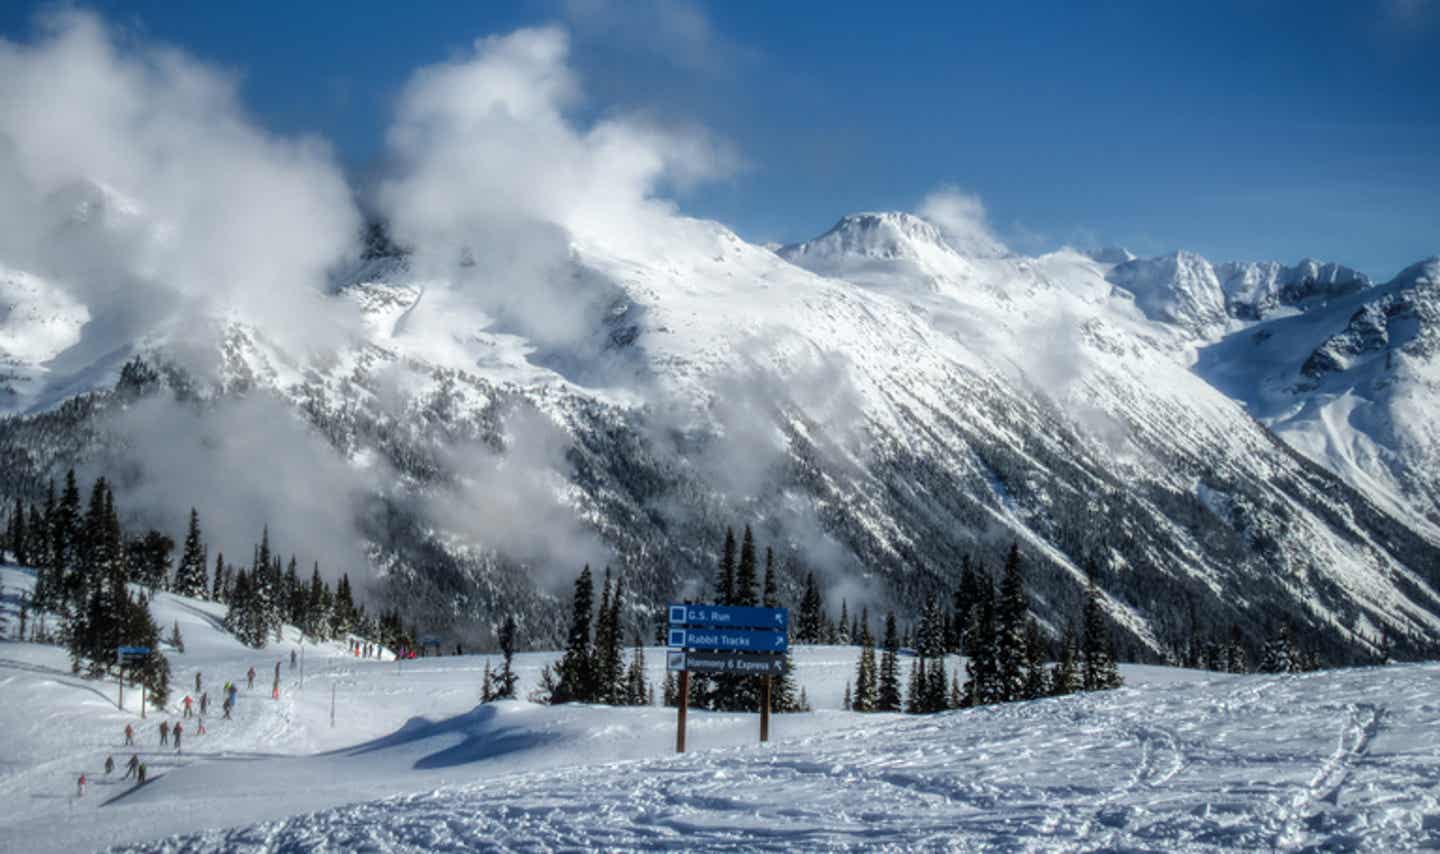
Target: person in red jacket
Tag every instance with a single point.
(129, 734)
(188, 703)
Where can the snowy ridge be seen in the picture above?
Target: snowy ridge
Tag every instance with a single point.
(878, 400)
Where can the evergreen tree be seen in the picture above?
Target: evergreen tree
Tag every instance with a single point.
(747, 576)
(725, 576)
(847, 703)
(18, 536)
(607, 687)
(982, 684)
(505, 681)
(1099, 671)
(842, 628)
(65, 535)
(782, 697)
(915, 688)
(1010, 629)
(190, 577)
(1235, 653)
(1037, 683)
(47, 578)
(217, 590)
(867, 689)
(637, 689)
(1065, 676)
(175, 639)
(935, 691)
(487, 684)
(810, 624)
(888, 696)
(1279, 654)
(575, 668)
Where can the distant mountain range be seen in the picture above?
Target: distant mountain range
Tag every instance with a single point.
(1241, 444)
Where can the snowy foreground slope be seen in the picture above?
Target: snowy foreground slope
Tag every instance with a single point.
(1180, 759)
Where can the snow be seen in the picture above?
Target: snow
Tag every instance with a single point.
(1179, 760)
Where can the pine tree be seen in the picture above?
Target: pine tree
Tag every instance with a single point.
(847, 703)
(637, 689)
(65, 535)
(888, 698)
(47, 578)
(1235, 653)
(505, 681)
(915, 688)
(19, 537)
(1279, 655)
(1099, 671)
(982, 684)
(782, 697)
(575, 667)
(935, 686)
(217, 591)
(810, 624)
(1010, 629)
(487, 684)
(1065, 676)
(608, 686)
(725, 576)
(1037, 683)
(842, 628)
(747, 576)
(190, 577)
(867, 689)
(175, 639)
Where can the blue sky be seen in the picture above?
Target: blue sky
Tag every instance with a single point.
(1240, 130)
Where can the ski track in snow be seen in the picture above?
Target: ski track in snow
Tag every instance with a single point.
(1253, 763)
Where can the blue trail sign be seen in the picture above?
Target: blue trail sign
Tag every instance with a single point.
(729, 639)
(738, 663)
(730, 617)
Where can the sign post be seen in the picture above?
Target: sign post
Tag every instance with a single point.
(130, 655)
(730, 639)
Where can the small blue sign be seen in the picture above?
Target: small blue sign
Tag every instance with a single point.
(725, 639)
(133, 650)
(730, 617)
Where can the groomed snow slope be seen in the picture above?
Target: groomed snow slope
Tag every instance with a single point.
(1179, 760)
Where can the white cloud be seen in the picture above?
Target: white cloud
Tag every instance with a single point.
(961, 218)
(130, 173)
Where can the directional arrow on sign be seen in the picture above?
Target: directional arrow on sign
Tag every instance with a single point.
(730, 617)
(728, 639)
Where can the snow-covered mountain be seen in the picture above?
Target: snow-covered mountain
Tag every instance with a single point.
(876, 401)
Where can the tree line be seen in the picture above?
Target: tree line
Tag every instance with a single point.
(1007, 655)
(593, 669)
(85, 564)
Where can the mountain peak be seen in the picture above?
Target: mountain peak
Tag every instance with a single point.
(885, 235)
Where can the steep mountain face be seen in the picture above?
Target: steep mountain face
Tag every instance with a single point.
(877, 403)
(1352, 384)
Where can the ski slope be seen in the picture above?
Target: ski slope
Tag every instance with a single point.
(1178, 760)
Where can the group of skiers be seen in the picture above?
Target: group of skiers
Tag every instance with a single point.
(175, 731)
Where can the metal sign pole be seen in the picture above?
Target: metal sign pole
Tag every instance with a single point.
(764, 709)
(332, 705)
(683, 705)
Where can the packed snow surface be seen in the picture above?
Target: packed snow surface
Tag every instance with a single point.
(1179, 760)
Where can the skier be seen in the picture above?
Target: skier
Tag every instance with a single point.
(177, 737)
(201, 727)
(80, 786)
(109, 765)
(226, 707)
(250, 679)
(131, 766)
(197, 682)
(275, 687)
(164, 733)
(188, 702)
(204, 704)
(140, 776)
(292, 659)
(129, 735)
